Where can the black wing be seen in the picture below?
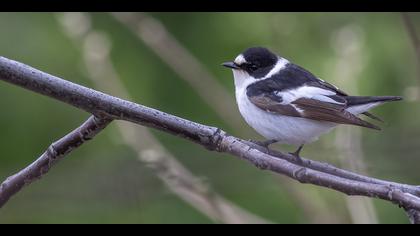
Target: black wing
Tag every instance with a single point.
(309, 108)
(326, 103)
(294, 76)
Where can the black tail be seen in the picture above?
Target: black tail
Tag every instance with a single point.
(372, 116)
(360, 100)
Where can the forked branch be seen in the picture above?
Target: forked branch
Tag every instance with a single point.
(54, 153)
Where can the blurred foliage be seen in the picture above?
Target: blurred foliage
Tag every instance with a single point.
(103, 182)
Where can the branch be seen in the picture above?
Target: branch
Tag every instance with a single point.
(51, 156)
(330, 169)
(414, 216)
(212, 138)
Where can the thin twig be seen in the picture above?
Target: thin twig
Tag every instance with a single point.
(54, 153)
(212, 138)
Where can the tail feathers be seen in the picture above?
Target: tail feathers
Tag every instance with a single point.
(361, 104)
(361, 100)
(366, 124)
(372, 116)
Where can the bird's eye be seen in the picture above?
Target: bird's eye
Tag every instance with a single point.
(253, 67)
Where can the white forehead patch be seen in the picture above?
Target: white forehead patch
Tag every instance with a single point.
(239, 60)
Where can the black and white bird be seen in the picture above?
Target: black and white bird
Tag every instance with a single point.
(287, 104)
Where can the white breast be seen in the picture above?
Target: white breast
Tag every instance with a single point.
(285, 129)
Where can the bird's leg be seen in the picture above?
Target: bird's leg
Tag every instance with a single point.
(297, 152)
(264, 143)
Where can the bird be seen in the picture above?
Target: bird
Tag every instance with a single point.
(287, 104)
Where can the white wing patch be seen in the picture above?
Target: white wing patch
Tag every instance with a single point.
(297, 109)
(324, 98)
(316, 93)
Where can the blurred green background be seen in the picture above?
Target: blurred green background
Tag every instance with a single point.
(104, 182)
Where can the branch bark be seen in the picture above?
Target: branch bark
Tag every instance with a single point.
(414, 216)
(212, 138)
(54, 153)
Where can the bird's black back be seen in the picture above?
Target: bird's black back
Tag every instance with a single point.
(290, 77)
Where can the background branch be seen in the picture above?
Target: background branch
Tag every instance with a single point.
(412, 33)
(210, 137)
(349, 64)
(54, 153)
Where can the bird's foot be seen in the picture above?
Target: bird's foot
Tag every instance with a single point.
(297, 154)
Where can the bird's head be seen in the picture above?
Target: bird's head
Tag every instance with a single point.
(257, 62)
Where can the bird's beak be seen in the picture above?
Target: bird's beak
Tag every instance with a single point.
(231, 65)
